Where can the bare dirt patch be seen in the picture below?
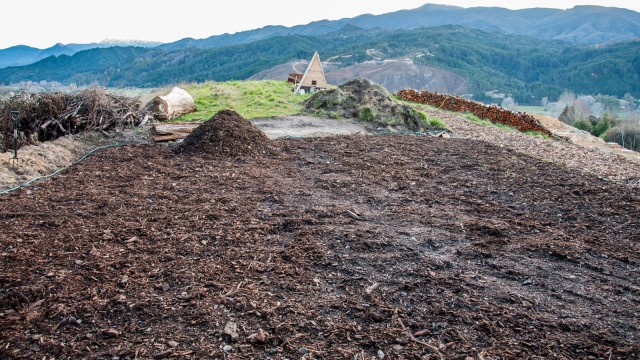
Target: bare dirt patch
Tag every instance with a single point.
(334, 248)
(308, 126)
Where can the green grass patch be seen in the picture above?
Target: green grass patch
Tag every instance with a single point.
(436, 123)
(366, 114)
(538, 135)
(476, 120)
(251, 99)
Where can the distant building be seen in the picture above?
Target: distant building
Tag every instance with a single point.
(313, 79)
(295, 78)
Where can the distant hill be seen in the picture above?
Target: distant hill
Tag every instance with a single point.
(582, 25)
(24, 55)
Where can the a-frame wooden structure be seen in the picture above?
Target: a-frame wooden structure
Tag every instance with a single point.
(313, 79)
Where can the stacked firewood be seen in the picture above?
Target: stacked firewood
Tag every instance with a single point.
(521, 121)
(48, 116)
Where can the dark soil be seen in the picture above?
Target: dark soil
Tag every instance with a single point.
(226, 134)
(343, 248)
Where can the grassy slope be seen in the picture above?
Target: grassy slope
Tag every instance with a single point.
(251, 99)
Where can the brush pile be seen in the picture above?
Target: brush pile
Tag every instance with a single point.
(48, 116)
(521, 121)
(227, 134)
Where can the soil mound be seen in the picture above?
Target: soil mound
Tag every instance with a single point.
(367, 101)
(227, 134)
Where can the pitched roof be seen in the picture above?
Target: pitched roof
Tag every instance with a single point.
(314, 72)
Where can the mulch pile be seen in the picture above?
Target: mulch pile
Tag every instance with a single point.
(226, 134)
(367, 101)
(393, 247)
(521, 121)
(48, 116)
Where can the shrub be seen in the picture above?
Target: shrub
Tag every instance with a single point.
(602, 126)
(584, 125)
(437, 123)
(333, 115)
(366, 114)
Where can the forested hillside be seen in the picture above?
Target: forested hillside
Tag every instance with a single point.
(527, 67)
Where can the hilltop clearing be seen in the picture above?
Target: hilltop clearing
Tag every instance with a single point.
(251, 99)
(328, 248)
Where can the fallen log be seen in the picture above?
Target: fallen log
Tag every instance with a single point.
(177, 103)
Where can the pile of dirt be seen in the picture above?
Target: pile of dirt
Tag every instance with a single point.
(369, 102)
(521, 121)
(226, 134)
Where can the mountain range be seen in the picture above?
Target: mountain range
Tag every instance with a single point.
(21, 55)
(582, 25)
(530, 53)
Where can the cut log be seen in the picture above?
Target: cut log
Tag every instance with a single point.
(174, 131)
(165, 138)
(177, 103)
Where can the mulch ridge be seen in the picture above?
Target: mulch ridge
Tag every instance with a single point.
(401, 246)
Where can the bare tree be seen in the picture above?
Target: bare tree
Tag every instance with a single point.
(581, 109)
(545, 103)
(567, 99)
(509, 104)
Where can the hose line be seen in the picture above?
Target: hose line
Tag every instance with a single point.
(25, 184)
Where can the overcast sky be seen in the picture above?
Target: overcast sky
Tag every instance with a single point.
(42, 23)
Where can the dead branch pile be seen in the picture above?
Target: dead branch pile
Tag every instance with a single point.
(521, 121)
(227, 134)
(48, 116)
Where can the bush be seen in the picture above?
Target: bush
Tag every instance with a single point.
(602, 126)
(436, 123)
(583, 125)
(366, 114)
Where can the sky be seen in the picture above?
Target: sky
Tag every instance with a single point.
(43, 23)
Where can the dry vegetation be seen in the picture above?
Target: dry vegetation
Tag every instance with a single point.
(48, 116)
